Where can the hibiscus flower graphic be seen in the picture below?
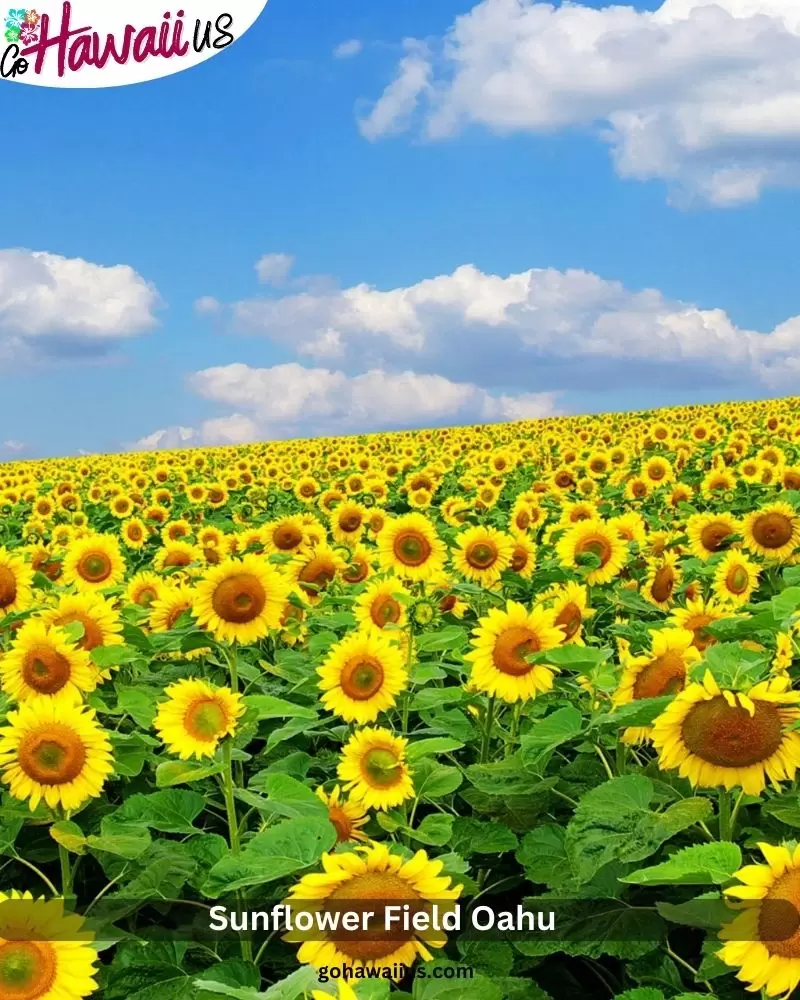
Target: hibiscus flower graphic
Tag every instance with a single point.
(28, 35)
(32, 18)
(12, 34)
(15, 19)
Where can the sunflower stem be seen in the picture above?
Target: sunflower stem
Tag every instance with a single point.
(620, 755)
(233, 667)
(233, 829)
(66, 872)
(735, 814)
(724, 815)
(487, 731)
(514, 728)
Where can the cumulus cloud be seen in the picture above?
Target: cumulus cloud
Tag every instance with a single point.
(274, 268)
(536, 330)
(207, 305)
(347, 50)
(291, 400)
(705, 96)
(57, 305)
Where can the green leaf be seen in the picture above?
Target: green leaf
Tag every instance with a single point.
(452, 637)
(784, 812)
(642, 993)
(106, 657)
(123, 845)
(708, 911)
(298, 984)
(69, 835)
(701, 864)
(171, 811)
(560, 726)
(432, 983)
(268, 707)
(278, 851)
(543, 855)
(436, 744)
(138, 703)
(637, 713)
(504, 777)
(429, 698)
(291, 798)
(433, 780)
(183, 772)
(614, 823)
(436, 829)
(473, 836)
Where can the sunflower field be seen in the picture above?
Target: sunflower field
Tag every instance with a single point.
(542, 666)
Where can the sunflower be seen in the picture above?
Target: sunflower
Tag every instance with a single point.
(56, 752)
(410, 547)
(481, 554)
(101, 622)
(598, 539)
(368, 875)
(698, 614)
(374, 768)
(383, 603)
(347, 817)
(94, 563)
(663, 670)
(45, 953)
(314, 569)
(729, 738)
(772, 531)
(710, 533)
(570, 608)
(241, 599)
(144, 588)
(663, 576)
(177, 554)
(362, 676)
(16, 579)
(285, 535)
(523, 557)
(43, 663)
(343, 992)
(735, 578)
(359, 565)
(763, 941)
(196, 716)
(502, 641)
(168, 607)
(134, 533)
(347, 521)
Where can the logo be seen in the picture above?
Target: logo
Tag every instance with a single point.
(94, 43)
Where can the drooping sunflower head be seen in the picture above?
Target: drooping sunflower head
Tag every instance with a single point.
(54, 751)
(731, 739)
(347, 817)
(44, 663)
(362, 676)
(196, 716)
(241, 599)
(374, 769)
(373, 875)
(45, 953)
(503, 644)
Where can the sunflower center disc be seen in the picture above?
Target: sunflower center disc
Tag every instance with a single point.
(737, 580)
(411, 549)
(205, 720)
(510, 649)
(772, 531)
(482, 555)
(362, 893)
(713, 536)
(8, 587)
(27, 969)
(361, 678)
(351, 522)
(239, 599)
(663, 584)
(665, 674)
(597, 547)
(53, 755)
(385, 610)
(287, 538)
(382, 767)
(45, 670)
(731, 737)
(569, 618)
(779, 917)
(95, 567)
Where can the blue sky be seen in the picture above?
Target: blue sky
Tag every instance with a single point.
(190, 180)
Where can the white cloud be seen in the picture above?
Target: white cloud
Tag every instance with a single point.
(59, 305)
(207, 305)
(704, 96)
(348, 49)
(539, 329)
(274, 268)
(15, 446)
(293, 401)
